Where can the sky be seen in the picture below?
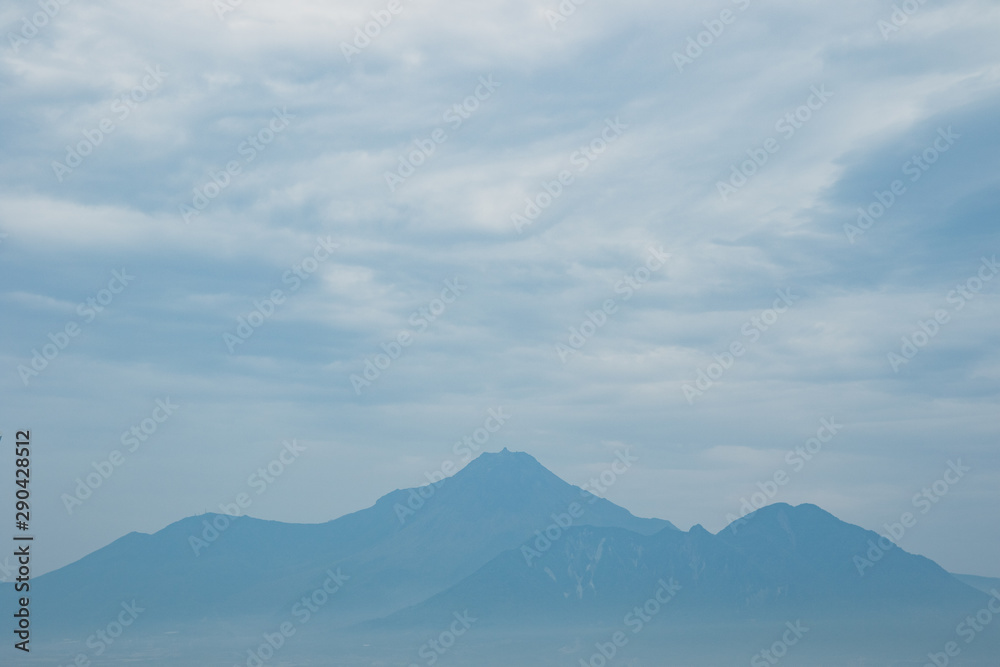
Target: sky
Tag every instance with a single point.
(241, 235)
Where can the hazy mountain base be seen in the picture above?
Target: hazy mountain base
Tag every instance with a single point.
(663, 642)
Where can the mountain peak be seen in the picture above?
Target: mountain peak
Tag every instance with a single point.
(506, 453)
(509, 485)
(505, 460)
(781, 511)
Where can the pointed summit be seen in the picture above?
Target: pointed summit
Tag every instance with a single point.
(505, 467)
(508, 484)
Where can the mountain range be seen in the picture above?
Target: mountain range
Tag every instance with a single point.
(515, 564)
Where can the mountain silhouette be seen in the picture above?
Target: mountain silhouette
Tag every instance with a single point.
(779, 562)
(527, 555)
(410, 544)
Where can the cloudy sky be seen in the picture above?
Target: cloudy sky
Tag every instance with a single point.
(496, 186)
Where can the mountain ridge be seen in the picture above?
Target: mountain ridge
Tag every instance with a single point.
(515, 546)
(495, 502)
